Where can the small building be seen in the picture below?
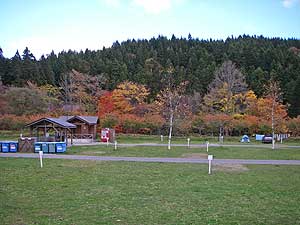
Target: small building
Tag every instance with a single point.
(65, 128)
(86, 126)
(51, 129)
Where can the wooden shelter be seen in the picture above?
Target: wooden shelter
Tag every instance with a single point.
(86, 126)
(64, 128)
(60, 129)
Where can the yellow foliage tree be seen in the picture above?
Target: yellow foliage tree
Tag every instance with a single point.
(128, 95)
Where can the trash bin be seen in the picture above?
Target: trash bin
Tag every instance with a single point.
(45, 148)
(5, 146)
(61, 147)
(51, 147)
(37, 147)
(13, 146)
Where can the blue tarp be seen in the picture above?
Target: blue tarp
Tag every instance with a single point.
(259, 137)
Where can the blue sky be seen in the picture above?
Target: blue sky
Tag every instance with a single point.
(45, 25)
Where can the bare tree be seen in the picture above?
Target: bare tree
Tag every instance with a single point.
(67, 87)
(228, 73)
(80, 90)
(228, 82)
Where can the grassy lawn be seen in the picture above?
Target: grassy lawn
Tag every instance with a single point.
(9, 135)
(122, 138)
(88, 192)
(218, 152)
(131, 138)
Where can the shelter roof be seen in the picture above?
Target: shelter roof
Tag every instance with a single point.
(57, 121)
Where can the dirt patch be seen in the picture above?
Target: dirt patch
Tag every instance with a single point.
(230, 168)
(195, 155)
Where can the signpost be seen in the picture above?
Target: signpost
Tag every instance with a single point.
(41, 158)
(210, 158)
(207, 143)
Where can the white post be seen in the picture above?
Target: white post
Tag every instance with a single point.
(281, 138)
(161, 138)
(188, 141)
(273, 143)
(107, 141)
(169, 144)
(116, 145)
(41, 158)
(210, 158)
(207, 143)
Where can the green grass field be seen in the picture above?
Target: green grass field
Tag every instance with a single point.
(124, 138)
(89, 192)
(132, 138)
(218, 152)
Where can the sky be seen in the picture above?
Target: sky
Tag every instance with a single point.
(46, 25)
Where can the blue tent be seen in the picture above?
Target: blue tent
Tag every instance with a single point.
(245, 139)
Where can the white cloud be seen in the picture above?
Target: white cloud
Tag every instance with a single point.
(289, 3)
(155, 6)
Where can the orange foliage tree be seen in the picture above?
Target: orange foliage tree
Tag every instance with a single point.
(125, 110)
(218, 123)
(294, 126)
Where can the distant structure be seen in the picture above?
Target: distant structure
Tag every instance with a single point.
(65, 128)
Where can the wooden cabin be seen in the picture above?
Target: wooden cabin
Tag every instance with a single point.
(86, 126)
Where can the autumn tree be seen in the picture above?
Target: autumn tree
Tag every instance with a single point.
(3, 99)
(24, 101)
(219, 122)
(294, 126)
(125, 107)
(105, 104)
(129, 95)
(226, 90)
(198, 123)
(169, 99)
(79, 89)
(273, 96)
(50, 94)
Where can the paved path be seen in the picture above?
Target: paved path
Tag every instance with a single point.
(161, 160)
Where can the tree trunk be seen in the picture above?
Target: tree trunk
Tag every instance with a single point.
(170, 129)
(273, 132)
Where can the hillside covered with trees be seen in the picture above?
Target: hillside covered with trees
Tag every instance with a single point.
(132, 78)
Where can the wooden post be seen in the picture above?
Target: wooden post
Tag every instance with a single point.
(95, 132)
(71, 136)
(45, 129)
(66, 136)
